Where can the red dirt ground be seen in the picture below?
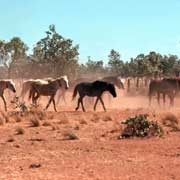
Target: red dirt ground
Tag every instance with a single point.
(96, 154)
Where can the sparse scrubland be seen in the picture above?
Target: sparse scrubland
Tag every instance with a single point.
(66, 144)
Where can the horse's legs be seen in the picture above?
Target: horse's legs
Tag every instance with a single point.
(102, 103)
(158, 98)
(35, 98)
(81, 100)
(51, 98)
(164, 99)
(171, 97)
(54, 105)
(150, 97)
(5, 106)
(78, 104)
(96, 103)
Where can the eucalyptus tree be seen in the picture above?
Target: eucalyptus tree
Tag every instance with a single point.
(58, 51)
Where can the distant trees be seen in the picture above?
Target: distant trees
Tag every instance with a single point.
(55, 55)
(92, 68)
(11, 52)
(150, 65)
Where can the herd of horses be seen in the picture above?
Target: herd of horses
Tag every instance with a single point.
(49, 87)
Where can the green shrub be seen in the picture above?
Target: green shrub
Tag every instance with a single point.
(139, 126)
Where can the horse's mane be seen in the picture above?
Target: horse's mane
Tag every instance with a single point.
(63, 77)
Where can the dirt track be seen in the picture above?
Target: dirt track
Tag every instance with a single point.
(96, 154)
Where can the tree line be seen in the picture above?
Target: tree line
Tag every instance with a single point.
(55, 55)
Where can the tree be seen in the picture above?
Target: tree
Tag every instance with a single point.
(11, 52)
(58, 52)
(115, 63)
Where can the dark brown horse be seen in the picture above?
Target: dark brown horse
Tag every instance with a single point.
(168, 86)
(94, 89)
(47, 89)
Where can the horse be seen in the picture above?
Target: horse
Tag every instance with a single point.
(27, 85)
(49, 89)
(6, 84)
(167, 86)
(94, 89)
(115, 80)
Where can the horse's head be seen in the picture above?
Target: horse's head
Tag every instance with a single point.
(112, 90)
(63, 82)
(11, 86)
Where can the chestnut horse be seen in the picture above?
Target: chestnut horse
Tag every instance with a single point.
(6, 84)
(167, 86)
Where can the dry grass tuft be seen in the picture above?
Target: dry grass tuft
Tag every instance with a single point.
(2, 121)
(69, 135)
(46, 123)
(64, 121)
(107, 118)
(82, 121)
(34, 121)
(19, 131)
(54, 127)
(4, 118)
(95, 119)
(18, 118)
(170, 120)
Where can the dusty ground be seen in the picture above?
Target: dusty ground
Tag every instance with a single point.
(96, 154)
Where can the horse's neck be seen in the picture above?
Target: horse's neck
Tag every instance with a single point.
(55, 84)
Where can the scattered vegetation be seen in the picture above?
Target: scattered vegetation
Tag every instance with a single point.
(82, 121)
(139, 126)
(107, 118)
(3, 118)
(69, 135)
(34, 121)
(64, 121)
(46, 123)
(17, 104)
(19, 131)
(170, 120)
(54, 127)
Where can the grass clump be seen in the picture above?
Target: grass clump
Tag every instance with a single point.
(20, 131)
(34, 121)
(139, 126)
(69, 135)
(170, 120)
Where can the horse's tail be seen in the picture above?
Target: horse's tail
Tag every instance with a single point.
(30, 93)
(75, 92)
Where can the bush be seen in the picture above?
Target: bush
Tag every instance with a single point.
(139, 126)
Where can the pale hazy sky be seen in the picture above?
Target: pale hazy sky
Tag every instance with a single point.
(129, 26)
